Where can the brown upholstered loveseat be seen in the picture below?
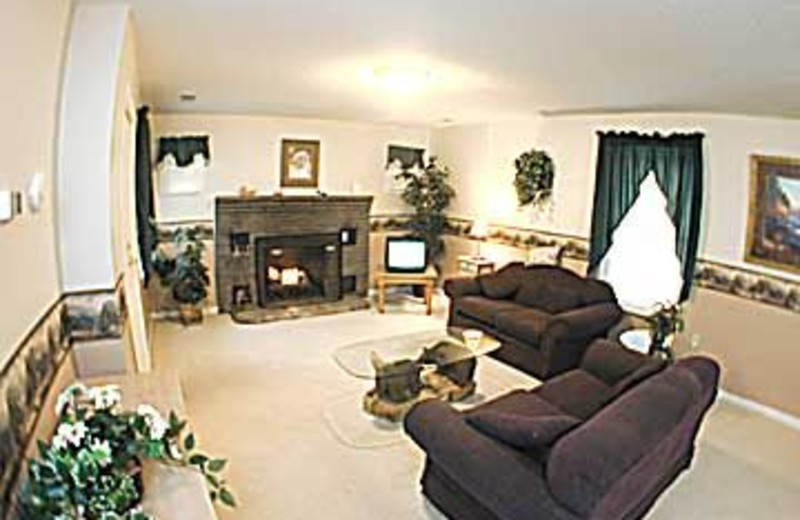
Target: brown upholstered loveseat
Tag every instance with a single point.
(544, 315)
(600, 442)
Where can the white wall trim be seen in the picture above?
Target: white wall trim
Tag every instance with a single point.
(784, 418)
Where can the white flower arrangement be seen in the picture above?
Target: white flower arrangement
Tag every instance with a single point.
(100, 447)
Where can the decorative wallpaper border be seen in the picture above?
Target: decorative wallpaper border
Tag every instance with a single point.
(716, 276)
(164, 230)
(95, 315)
(574, 247)
(748, 284)
(28, 375)
(738, 281)
(25, 382)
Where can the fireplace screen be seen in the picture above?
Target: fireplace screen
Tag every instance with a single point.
(298, 269)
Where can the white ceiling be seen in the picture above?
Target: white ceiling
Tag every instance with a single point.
(492, 59)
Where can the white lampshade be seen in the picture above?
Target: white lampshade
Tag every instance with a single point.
(480, 228)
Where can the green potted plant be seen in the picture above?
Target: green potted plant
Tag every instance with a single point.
(91, 469)
(534, 178)
(430, 194)
(180, 267)
(664, 324)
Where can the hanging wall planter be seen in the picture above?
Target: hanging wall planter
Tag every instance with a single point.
(534, 178)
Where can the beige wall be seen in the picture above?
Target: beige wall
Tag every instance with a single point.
(32, 37)
(756, 344)
(246, 150)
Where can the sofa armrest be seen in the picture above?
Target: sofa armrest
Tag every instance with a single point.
(569, 333)
(458, 287)
(587, 322)
(508, 483)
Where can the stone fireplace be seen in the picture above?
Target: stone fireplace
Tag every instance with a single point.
(277, 252)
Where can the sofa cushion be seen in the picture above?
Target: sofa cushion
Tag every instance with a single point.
(526, 325)
(504, 283)
(577, 393)
(484, 309)
(518, 402)
(551, 289)
(520, 431)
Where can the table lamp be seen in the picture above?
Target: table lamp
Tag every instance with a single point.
(479, 230)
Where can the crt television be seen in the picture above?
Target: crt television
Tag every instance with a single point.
(405, 255)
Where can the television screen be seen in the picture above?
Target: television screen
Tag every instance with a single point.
(405, 255)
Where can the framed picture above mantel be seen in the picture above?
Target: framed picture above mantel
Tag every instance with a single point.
(773, 235)
(299, 163)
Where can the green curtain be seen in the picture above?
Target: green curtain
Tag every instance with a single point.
(145, 206)
(624, 160)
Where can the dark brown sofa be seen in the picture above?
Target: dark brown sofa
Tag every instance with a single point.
(630, 431)
(545, 316)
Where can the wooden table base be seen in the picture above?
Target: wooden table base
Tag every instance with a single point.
(427, 279)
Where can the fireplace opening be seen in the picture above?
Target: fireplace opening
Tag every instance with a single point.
(298, 269)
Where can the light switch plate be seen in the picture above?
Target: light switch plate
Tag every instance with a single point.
(6, 206)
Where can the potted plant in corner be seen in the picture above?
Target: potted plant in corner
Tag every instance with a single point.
(180, 266)
(430, 194)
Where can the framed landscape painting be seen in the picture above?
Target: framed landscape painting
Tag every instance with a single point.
(299, 163)
(773, 236)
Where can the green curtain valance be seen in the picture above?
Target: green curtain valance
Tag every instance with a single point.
(184, 148)
(624, 160)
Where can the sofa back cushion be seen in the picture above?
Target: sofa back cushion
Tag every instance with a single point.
(504, 283)
(551, 289)
(625, 439)
(576, 392)
(597, 291)
(618, 367)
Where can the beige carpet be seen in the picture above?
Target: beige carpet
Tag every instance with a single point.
(257, 394)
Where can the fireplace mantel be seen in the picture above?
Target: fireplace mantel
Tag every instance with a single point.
(294, 199)
(241, 221)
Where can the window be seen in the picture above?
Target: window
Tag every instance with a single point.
(641, 264)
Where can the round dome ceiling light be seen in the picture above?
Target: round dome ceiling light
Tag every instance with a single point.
(402, 79)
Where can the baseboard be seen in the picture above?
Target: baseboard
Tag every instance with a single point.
(780, 416)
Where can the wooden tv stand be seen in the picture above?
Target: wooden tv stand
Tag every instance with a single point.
(386, 279)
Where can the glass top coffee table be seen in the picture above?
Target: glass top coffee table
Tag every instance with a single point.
(408, 368)
(358, 359)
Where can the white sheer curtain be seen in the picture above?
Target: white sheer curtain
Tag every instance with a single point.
(641, 264)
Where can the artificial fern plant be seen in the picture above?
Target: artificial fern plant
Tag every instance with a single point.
(430, 194)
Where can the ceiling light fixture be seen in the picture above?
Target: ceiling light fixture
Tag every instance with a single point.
(402, 79)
